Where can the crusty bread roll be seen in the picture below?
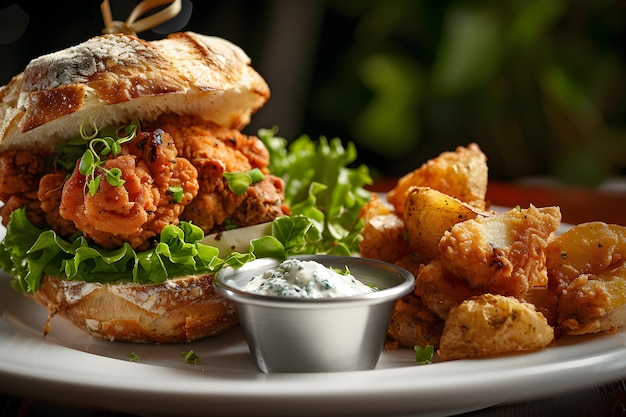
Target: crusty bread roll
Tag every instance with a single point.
(116, 77)
(179, 310)
(110, 80)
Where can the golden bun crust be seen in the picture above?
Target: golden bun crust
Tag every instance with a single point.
(179, 310)
(112, 78)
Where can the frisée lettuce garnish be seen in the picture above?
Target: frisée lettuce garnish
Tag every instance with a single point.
(321, 185)
(325, 196)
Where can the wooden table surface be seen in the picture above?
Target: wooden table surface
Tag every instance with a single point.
(577, 206)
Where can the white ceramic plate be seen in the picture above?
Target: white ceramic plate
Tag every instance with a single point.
(70, 366)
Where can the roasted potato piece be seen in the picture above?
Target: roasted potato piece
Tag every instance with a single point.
(412, 323)
(588, 248)
(503, 254)
(587, 273)
(428, 213)
(461, 174)
(383, 234)
(439, 290)
(490, 325)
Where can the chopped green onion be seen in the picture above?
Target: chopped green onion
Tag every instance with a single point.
(177, 192)
(238, 182)
(256, 175)
(190, 357)
(133, 357)
(424, 355)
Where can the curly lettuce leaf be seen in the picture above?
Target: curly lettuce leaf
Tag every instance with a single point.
(15, 260)
(321, 185)
(27, 253)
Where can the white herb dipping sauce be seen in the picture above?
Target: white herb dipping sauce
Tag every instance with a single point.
(306, 279)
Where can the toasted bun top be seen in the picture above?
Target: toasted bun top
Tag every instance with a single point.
(113, 78)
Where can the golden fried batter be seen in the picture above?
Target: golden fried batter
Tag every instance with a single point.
(412, 323)
(439, 289)
(49, 194)
(186, 152)
(461, 174)
(545, 303)
(27, 200)
(137, 210)
(214, 150)
(20, 172)
(502, 254)
(203, 142)
(384, 238)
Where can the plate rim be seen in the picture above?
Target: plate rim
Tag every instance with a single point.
(51, 369)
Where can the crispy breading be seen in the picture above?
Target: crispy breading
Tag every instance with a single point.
(20, 172)
(138, 209)
(502, 254)
(545, 302)
(186, 152)
(374, 207)
(493, 324)
(50, 193)
(461, 174)
(214, 150)
(587, 274)
(439, 289)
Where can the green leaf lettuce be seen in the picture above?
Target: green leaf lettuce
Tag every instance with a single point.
(322, 185)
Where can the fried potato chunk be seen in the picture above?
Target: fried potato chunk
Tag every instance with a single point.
(503, 254)
(440, 290)
(545, 302)
(587, 273)
(428, 213)
(412, 323)
(490, 325)
(383, 234)
(461, 174)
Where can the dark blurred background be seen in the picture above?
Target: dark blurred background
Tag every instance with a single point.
(539, 84)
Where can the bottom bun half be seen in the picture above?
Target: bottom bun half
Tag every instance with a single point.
(178, 310)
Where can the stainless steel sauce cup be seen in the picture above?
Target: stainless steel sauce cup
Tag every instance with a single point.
(322, 334)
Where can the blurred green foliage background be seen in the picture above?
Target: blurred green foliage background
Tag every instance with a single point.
(538, 84)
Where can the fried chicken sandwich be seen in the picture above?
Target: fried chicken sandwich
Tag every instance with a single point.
(117, 157)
